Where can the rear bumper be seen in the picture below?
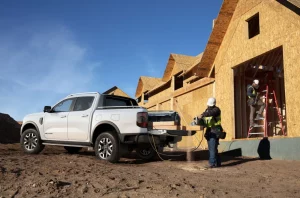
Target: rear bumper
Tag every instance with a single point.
(157, 136)
(165, 132)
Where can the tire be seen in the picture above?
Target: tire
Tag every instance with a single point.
(107, 147)
(72, 150)
(31, 142)
(146, 152)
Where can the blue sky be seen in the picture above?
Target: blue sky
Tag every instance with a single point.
(49, 49)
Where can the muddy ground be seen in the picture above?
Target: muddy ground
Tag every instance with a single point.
(55, 173)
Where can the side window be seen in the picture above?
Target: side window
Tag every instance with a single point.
(63, 106)
(117, 102)
(83, 103)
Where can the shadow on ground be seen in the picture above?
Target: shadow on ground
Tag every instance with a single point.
(229, 158)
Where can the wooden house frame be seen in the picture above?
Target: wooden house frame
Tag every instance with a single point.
(116, 91)
(235, 54)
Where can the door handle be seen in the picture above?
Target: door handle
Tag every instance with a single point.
(84, 115)
(63, 116)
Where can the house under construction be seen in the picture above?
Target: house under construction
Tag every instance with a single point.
(257, 39)
(116, 91)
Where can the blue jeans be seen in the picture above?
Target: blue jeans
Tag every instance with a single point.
(214, 158)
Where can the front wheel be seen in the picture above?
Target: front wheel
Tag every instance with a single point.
(31, 142)
(107, 147)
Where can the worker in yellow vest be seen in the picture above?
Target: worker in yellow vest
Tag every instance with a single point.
(253, 102)
(211, 120)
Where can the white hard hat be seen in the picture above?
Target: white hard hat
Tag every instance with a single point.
(211, 102)
(256, 81)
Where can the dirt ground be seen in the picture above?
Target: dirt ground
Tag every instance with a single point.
(55, 173)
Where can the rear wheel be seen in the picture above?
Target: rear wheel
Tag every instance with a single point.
(107, 147)
(72, 150)
(31, 142)
(146, 152)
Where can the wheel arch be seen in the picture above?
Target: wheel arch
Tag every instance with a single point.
(29, 125)
(105, 126)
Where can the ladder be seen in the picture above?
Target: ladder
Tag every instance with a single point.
(265, 124)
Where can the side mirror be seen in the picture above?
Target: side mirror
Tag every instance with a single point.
(47, 109)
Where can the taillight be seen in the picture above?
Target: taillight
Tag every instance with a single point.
(142, 119)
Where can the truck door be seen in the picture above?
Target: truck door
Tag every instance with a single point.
(56, 121)
(80, 118)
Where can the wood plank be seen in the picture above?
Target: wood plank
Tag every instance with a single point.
(166, 123)
(245, 113)
(174, 127)
(190, 79)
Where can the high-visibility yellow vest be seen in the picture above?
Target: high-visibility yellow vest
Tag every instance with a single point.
(253, 91)
(212, 122)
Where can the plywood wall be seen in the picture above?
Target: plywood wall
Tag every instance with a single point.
(190, 105)
(158, 97)
(153, 108)
(193, 103)
(165, 105)
(279, 26)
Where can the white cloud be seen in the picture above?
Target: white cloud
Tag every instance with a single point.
(39, 67)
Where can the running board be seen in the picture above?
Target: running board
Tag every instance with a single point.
(72, 144)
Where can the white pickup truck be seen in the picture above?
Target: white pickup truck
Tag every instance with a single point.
(112, 125)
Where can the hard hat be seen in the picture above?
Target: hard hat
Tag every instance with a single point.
(256, 81)
(211, 102)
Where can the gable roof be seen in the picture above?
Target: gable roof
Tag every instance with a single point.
(110, 90)
(216, 37)
(146, 83)
(116, 91)
(178, 63)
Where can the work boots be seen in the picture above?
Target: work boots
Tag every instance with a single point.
(259, 117)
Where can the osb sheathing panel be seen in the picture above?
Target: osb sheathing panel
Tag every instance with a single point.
(245, 6)
(190, 105)
(119, 92)
(153, 108)
(165, 105)
(169, 69)
(161, 95)
(146, 83)
(292, 82)
(279, 26)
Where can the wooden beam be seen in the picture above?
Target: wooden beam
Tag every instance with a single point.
(190, 79)
(200, 83)
(258, 64)
(210, 72)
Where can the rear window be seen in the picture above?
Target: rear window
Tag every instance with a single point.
(83, 103)
(114, 101)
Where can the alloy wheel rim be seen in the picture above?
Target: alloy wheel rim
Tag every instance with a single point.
(105, 148)
(30, 141)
